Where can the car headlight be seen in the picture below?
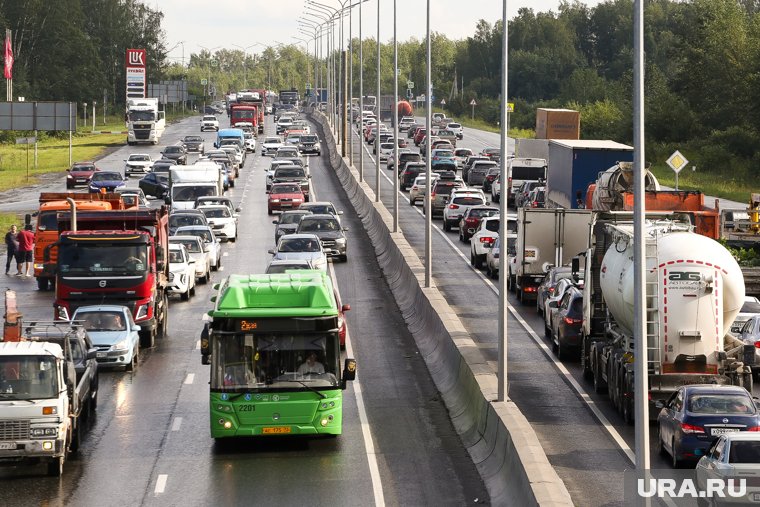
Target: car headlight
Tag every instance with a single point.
(275, 200)
(171, 276)
(123, 344)
(340, 241)
(69, 177)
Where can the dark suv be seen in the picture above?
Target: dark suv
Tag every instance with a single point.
(442, 189)
(409, 174)
(403, 158)
(176, 152)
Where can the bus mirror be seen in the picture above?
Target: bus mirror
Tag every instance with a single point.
(205, 344)
(349, 371)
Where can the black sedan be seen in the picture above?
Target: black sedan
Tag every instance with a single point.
(175, 152)
(164, 165)
(696, 415)
(547, 287)
(155, 184)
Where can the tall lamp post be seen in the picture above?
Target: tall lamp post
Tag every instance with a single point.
(208, 75)
(428, 182)
(377, 102)
(504, 153)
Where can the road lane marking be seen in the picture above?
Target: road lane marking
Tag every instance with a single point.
(590, 403)
(198, 344)
(190, 378)
(225, 254)
(369, 446)
(161, 484)
(176, 424)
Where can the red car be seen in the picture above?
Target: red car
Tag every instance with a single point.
(342, 324)
(80, 173)
(419, 135)
(284, 196)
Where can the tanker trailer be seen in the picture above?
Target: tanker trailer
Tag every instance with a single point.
(694, 290)
(404, 109)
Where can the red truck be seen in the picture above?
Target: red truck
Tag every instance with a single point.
(116, 257)
(255, 98)
(244, 113)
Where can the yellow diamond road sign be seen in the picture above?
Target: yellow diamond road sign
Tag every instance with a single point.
(677, 161)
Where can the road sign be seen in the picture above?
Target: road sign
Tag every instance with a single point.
(677, 161)
(510, 107)
(473, 103)
(204, 82)
(26, 140)
(410, 84)
(443, 102)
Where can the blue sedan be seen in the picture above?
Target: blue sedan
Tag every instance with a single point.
(106, 180)
(113, 332)
(695, 416)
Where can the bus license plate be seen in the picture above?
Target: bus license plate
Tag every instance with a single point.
(6, 446)
(276, 430)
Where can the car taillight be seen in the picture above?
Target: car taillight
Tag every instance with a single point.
(570, 321)
(534, 204)
(486, 239)
(453, 206)
(415, 187)
(530, 289)
(754, 428)
(432, 195)
(471, 220)
(509, 183)
(551, 290)
(690, 428)
(757, 344)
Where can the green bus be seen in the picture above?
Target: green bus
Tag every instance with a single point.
(273, 346)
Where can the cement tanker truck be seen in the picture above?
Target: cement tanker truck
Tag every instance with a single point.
(694, 290)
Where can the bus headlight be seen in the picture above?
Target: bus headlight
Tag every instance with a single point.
(324, 422)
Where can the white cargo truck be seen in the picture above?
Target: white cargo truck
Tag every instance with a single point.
(145, 123)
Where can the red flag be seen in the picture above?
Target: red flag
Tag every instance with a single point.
(8, 59)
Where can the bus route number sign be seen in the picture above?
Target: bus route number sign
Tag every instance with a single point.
(246, 325)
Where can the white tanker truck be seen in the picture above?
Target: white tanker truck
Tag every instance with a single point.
(695, 289)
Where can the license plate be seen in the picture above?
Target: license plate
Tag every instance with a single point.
(756, 497)
(721, 431)
(101, 355)
(276, 430)
(6, 446)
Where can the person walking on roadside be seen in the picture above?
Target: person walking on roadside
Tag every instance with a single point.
(24, 256)
(12, 244)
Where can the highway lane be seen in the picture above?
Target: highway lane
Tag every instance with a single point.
(149, 444)
(584, 437)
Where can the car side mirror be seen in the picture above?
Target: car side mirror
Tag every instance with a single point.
(275, 222)
(271, 251)
(552, 304)
(340, 213)
(136, 327)
(237, 210)
(191, 261)
(345, 229)
(167, 199)
(659, 404)
(92, 353)
(218, 240)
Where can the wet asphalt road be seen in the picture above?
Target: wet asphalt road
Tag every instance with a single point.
(149, 443)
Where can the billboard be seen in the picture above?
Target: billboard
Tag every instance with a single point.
(38, 116)
(135, 72)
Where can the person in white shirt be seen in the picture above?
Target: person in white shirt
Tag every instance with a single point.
(311, 365)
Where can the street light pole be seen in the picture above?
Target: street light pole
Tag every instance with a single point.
(377, 135)
(395, 121)
(504, 153)
(361, 95)
(428, 179)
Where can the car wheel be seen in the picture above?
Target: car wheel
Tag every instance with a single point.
(446, 226)
(192, 290)
(185, 296)
(675, 461)
(269, 211)
(479, 261)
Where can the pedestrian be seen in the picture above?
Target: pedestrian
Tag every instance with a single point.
(12, 244)
(24, 256)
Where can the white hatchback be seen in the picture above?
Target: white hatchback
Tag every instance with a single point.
(181, 272)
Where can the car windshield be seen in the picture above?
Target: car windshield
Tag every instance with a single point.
(83, 167)
(309, 139)
(709, 403)
(190, 246)
(319, 208)
(28, 377)
(272, 140)
(217, 213)
(318, 224)
(750, 307)
(527, 173)
(182, 220)
(286, 189)
(386, 146)
(294, 172)
(290, 218)
(172, 149)
(193, 139)
(47, 221)
(175, 257)
(105, 176)
(139, 158)
(454, 126)
(282, 268)
(299, 245)
(102, 320)
(745, 452)
(209, 118)
(492, 225)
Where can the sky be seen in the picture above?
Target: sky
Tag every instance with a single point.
(254, 24)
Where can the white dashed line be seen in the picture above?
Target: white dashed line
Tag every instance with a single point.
(190, 378)
(176, 424)
(161, 484)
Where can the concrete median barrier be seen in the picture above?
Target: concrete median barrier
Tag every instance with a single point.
(501, 442)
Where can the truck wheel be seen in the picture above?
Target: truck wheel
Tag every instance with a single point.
(163, 328)
(42, 283)
(627, 402)
(599, 385)
(76, 436)
(55, 467)
(147, 339)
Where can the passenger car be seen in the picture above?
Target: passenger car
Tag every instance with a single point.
(80, 173)
(215, 199)
(302, 247)
(194, 144)
(288, 222)
(181, 272)
(386, 151)
(418, 187)
(155, 184)
(113, 333)
(470, 220)
(284, 196)
(138, 163)
(107, 180)
(566, 323)
(491, 176)
(460, 156)
(750, 335)
(176, 152)
(750, 307)
(536, 198)
(281, 266)
(329, 231)
(731, 456)
(409, 173)
(476, 175)
(459, 203)
(180, 218)
(522, 193)
(270, 145)
(222, 221)
(133, 197)
(197, 252)
(440, 193)
(457, 129)
(309, 144)
(250, 141)
(210, 242)
(696, 415)
(493, 252)
(404, 123)
(443, 157)
(404, 156)
(548, 288)
(209, 122)
(321, 207)
(483, 239)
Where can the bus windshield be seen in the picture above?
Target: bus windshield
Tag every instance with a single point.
(243, 361)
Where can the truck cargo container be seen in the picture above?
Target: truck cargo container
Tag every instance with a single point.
(557, 124)
(574, 165)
